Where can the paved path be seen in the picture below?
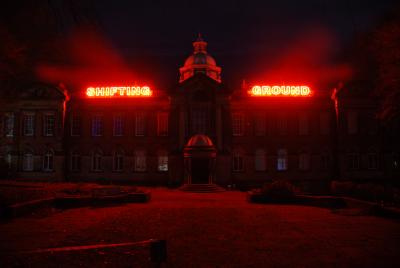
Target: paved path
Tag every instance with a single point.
(205, 230)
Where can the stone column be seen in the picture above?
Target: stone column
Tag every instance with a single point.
(181, 127)
(219, 127)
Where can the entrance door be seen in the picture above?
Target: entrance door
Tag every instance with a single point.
(200, 170)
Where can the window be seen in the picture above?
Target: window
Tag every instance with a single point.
(303, 124)
(162, 124)
(324, 123)
(28, 124)
(372, 160)
(139, 124)
(97, 125)
(260, 160)
(282, 160)
(48, 160)
(75, 125)
(237, 162)
(118, 125)
(75, 161)
(260, 125)
(324, 161)
(140, 161)
(96, 160)
(199, 119)
(395, 161)
(118, 161)
(8, 159)
(353, 161)
(304, 161)
(352, 122)
(9, 121)
(27, 161)
(238, 124)
(282, 125)
(162, 161)
(48, 124)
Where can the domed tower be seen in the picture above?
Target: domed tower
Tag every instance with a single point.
(200, 62)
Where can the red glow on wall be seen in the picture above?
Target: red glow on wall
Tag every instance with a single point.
(127, 91)
(280, 91)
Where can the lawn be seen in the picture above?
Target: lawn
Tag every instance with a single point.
(206, 230)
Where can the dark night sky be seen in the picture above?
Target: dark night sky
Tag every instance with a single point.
(248, 39)
(157, 35)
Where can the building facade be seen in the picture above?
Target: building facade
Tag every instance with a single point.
(197, 132)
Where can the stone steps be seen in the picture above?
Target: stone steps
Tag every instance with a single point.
(202, 188)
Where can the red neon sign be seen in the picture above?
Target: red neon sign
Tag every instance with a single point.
(107, 92)
(280, 91)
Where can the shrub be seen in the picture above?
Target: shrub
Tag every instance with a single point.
(279, 190)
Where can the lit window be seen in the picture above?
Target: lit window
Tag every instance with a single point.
(139, 124)
(97, 125)
(75, 161)
(140, 161)
(282, 160)
(352, 122)
(97, 156)
(118, 125)
(238, 124)
(237, 162)
(353, 161)
(260, 160)
(304, 161)
(162, 161)
(118, 161)
(162, 124)
(8, 159)
(303, 124)
(282, 125)
(395, 161)
(9, 122)
(75, 125)
(27, 161)
(260, 125)
(48, 124)
(324, 123)
(372, 160)
(28, 124)
(199, 120)
(48, 159)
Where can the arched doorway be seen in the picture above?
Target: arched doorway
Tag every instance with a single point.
(199, 160)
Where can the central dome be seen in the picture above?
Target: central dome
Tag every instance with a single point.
(200, 62)
(200, 58)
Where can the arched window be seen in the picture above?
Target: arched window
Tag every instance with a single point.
(372, 157)
(118, 160)
(97, 156)
(162, 161)
(27, 161)
(237, 161)
(48, 160)
(75, 160)
(260, 160)
(304, 161)
(282, 160)
(140, 161)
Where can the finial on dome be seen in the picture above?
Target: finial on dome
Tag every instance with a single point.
(200, 45)
(199, 38)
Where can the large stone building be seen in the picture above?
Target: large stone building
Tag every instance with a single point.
(197, 132)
